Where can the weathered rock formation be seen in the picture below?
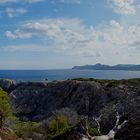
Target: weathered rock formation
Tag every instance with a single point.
(7, 84)
(39, 100)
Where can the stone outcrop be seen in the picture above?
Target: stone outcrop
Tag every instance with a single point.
(38, 101)
(7, 85)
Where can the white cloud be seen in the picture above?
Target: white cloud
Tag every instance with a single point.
(125, 7)
(63, 34)
(10, 35)
(11, 12)
(116, 25)
(18, 34)
(24, 48)
(72, 37)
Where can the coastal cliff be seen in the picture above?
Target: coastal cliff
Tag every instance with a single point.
(38, 101)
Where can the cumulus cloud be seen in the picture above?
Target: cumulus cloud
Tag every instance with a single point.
(75, 38)
(125, 7)
(10, 35)
(63, 34)
(11, 12)
(116, 25)
(18, 34)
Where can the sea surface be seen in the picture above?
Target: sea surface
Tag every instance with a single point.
(39, 75)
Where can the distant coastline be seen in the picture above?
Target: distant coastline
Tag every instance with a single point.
(98, 66)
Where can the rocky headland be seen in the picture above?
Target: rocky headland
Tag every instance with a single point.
(98, 66)
(78, 98)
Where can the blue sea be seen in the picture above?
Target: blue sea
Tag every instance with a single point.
(39, 75)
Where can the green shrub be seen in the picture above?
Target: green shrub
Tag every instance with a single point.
(58, 125)
(25, 129)
(94, 131)
(4, 104)
(22, 129)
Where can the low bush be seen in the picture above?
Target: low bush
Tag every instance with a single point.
(94, 131)
(25, 129)
(57, 126)
(4, 104)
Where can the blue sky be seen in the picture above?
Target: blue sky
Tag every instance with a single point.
(52, 34)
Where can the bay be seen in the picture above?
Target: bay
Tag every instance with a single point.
(63, 74)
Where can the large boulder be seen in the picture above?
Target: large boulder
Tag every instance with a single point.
(7, 84)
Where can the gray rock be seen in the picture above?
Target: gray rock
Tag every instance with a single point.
(38, 101)
(7, 85)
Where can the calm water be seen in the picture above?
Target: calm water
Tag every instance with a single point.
(38, 75)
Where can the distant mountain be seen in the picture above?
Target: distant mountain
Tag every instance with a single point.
(99, 66)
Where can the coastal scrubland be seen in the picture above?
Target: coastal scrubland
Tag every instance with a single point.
(69, 109)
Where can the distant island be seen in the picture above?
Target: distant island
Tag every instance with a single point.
(99, 66)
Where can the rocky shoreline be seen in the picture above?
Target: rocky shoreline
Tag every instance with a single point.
(38, 101)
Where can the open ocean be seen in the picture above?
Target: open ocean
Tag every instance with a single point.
(39, 75)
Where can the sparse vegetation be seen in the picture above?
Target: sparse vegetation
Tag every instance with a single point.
(4, 104)
(57, 126)
(22, 129)
(110, 83)
(94, 131)
(25, 129)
